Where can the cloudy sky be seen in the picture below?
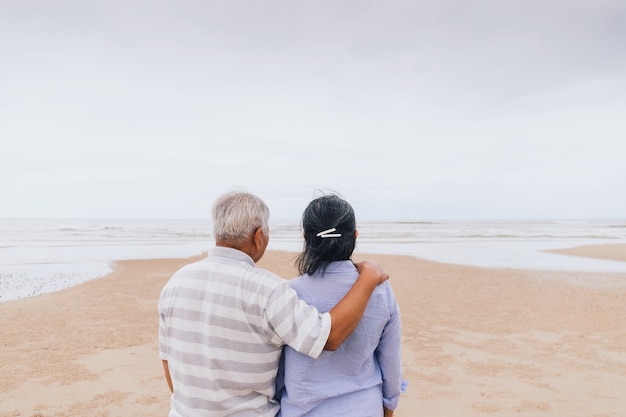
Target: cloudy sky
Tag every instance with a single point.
(419, 109)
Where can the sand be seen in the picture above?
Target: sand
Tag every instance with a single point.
(476, 341)
(615, 252)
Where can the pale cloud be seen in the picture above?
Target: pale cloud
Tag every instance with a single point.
(410, 109)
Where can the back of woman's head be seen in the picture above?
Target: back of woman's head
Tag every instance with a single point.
(321, 244)
(237, 214)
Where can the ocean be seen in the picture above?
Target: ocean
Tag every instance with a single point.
(38, 256)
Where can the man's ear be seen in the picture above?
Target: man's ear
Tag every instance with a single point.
(257, 237)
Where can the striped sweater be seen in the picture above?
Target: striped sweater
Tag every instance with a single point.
(222, 326)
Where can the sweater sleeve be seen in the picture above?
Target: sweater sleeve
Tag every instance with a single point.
(296, 323)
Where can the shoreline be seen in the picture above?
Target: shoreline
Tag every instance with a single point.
(50, 281)
(476, 341)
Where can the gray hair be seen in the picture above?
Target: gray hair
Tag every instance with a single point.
(237, 214)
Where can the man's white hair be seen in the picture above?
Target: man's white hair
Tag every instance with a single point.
(237, 214)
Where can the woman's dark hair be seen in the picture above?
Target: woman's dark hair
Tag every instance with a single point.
(322, 214)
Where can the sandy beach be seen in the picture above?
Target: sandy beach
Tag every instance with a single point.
(476, 341)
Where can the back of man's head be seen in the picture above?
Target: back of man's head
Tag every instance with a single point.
(238, 214)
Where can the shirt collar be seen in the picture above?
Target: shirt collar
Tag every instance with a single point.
(231, 253)
(340, 267)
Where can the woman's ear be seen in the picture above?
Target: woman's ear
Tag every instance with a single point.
(356, 233)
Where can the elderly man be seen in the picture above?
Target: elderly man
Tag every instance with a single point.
(223, 322)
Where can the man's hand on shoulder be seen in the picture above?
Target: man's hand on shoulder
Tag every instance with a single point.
(372, 271)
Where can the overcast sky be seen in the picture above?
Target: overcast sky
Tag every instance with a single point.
(410, 109)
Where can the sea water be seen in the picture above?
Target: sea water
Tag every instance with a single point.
(38, 256)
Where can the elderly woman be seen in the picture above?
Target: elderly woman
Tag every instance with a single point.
(363, 377)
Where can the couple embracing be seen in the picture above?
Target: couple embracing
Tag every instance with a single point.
(236, 340)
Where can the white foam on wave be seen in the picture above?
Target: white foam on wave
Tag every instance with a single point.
(20, 281)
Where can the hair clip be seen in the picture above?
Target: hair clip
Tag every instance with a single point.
(327, 233)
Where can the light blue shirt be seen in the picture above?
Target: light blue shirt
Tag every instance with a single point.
(364, 373)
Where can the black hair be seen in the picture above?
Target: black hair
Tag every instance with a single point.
(322, 214)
